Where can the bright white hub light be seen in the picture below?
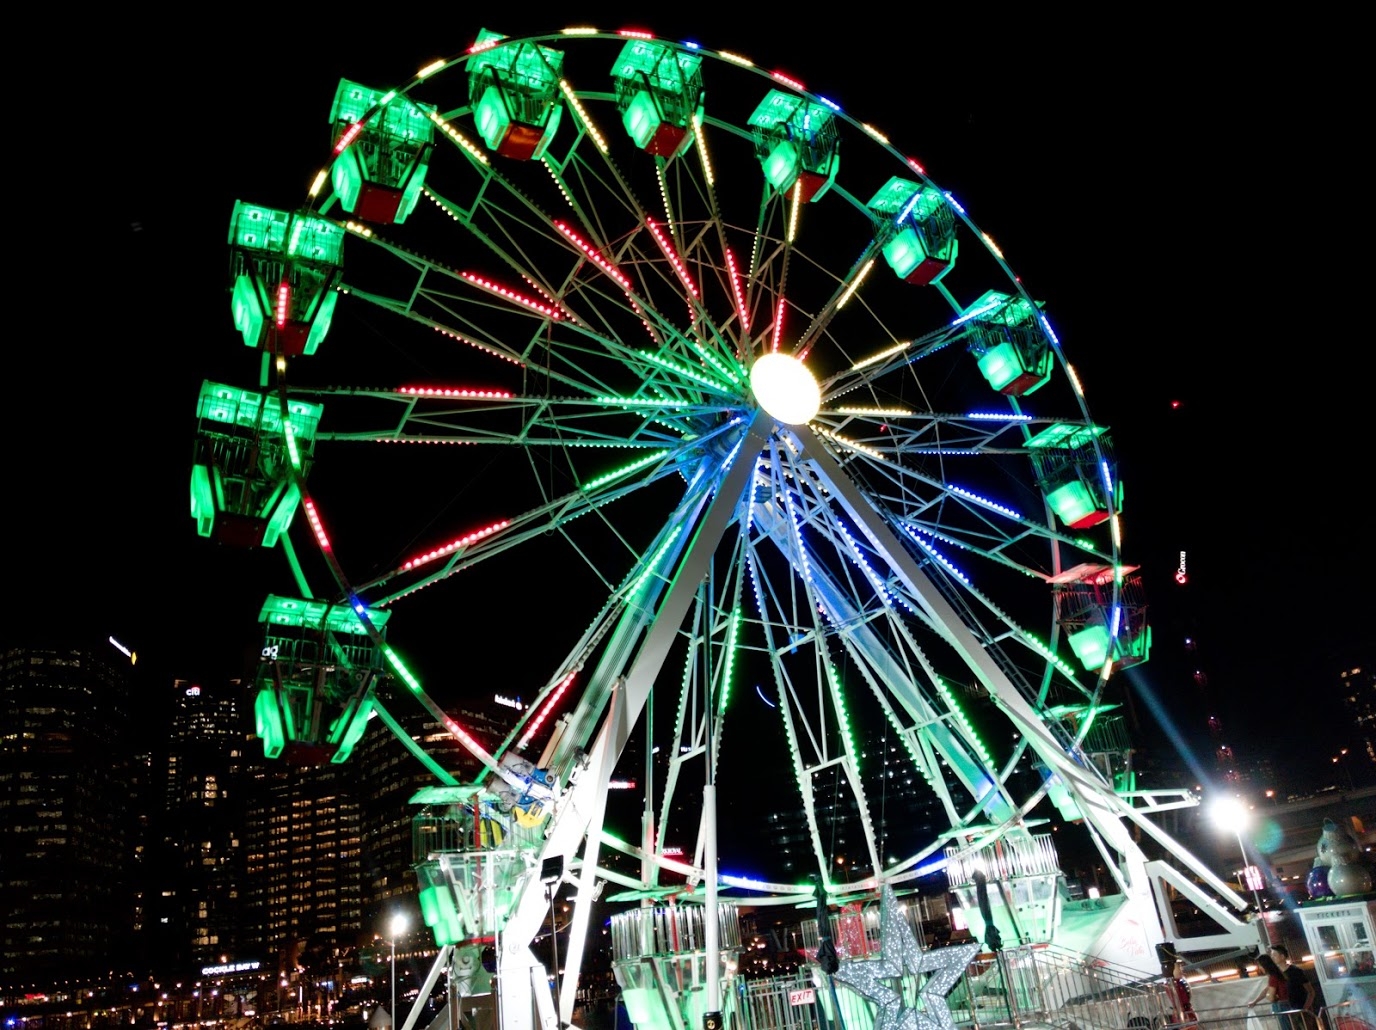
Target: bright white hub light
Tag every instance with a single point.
(785, 388)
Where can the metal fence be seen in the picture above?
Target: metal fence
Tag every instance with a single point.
(1032, 986)
(1060, 989)
(779, 1003)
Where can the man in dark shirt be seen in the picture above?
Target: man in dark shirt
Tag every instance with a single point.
(1299, 990)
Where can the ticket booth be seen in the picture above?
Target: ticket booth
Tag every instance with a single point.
(1340, 933)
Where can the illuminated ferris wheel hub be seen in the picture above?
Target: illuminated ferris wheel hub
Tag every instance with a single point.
(785, 388)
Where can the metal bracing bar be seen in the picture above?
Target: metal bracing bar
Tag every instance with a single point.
(587, 876)
(1237, 932)
(1099, 801)
(580, 806)
(440, 964)
(631, 622)
(862, 639)
(670, 616)
(1195, 866)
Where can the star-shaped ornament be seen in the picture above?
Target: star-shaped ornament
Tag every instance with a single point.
(900, 953)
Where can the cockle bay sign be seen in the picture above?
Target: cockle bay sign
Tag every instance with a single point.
(231, 967)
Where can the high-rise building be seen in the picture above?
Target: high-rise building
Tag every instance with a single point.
(204, 819)
(67, 853)
(302, 855)
(903, 812)
(1356, 682)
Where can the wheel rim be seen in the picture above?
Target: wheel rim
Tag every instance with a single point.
(602, 298)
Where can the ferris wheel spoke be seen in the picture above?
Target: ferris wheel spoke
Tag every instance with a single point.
(949, 510)
(849, 606)
(819, 730)
(957, 587)
(707, 681)
(476, 416)
(474, 547)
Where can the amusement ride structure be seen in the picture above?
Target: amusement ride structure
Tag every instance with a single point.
(738, 393)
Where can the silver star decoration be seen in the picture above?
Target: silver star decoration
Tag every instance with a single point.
(900, 953)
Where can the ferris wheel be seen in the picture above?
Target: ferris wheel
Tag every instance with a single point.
(675, 380)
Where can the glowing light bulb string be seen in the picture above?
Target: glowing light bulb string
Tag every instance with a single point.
(374, 634)
(844, 291)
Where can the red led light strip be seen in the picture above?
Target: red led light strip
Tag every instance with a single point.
(454, 545)
(564, 308)
(593, 256)
(788, 81)
(917, 167)
(313, 517)
(635, 33)
(534, 727)
(511, 295)
(779, 324)
(350, 134)
(477, 48)
(736, 287)
(611, 270)
(436, 391)
(283, 303)
(674, 260)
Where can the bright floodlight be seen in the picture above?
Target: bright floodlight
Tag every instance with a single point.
(1230, 814)
(785, 388)
(399, 924)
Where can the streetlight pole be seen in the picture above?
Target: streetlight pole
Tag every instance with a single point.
(1231, 814)
(398, 927)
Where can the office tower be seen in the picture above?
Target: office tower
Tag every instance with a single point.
(204, 818)
(302, 853)
(68, 847)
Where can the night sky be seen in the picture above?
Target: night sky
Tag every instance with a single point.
(1183, 204)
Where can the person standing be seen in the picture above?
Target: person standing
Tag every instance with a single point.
(1299, 989)
(1275, 990)
(1179, 989)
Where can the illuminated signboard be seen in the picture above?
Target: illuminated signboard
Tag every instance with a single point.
(231, 967)
(1180, 575)
(131, 655)
(509, 702)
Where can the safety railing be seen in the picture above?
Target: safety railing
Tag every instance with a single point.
(1260, 1018)
(1059, 989)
